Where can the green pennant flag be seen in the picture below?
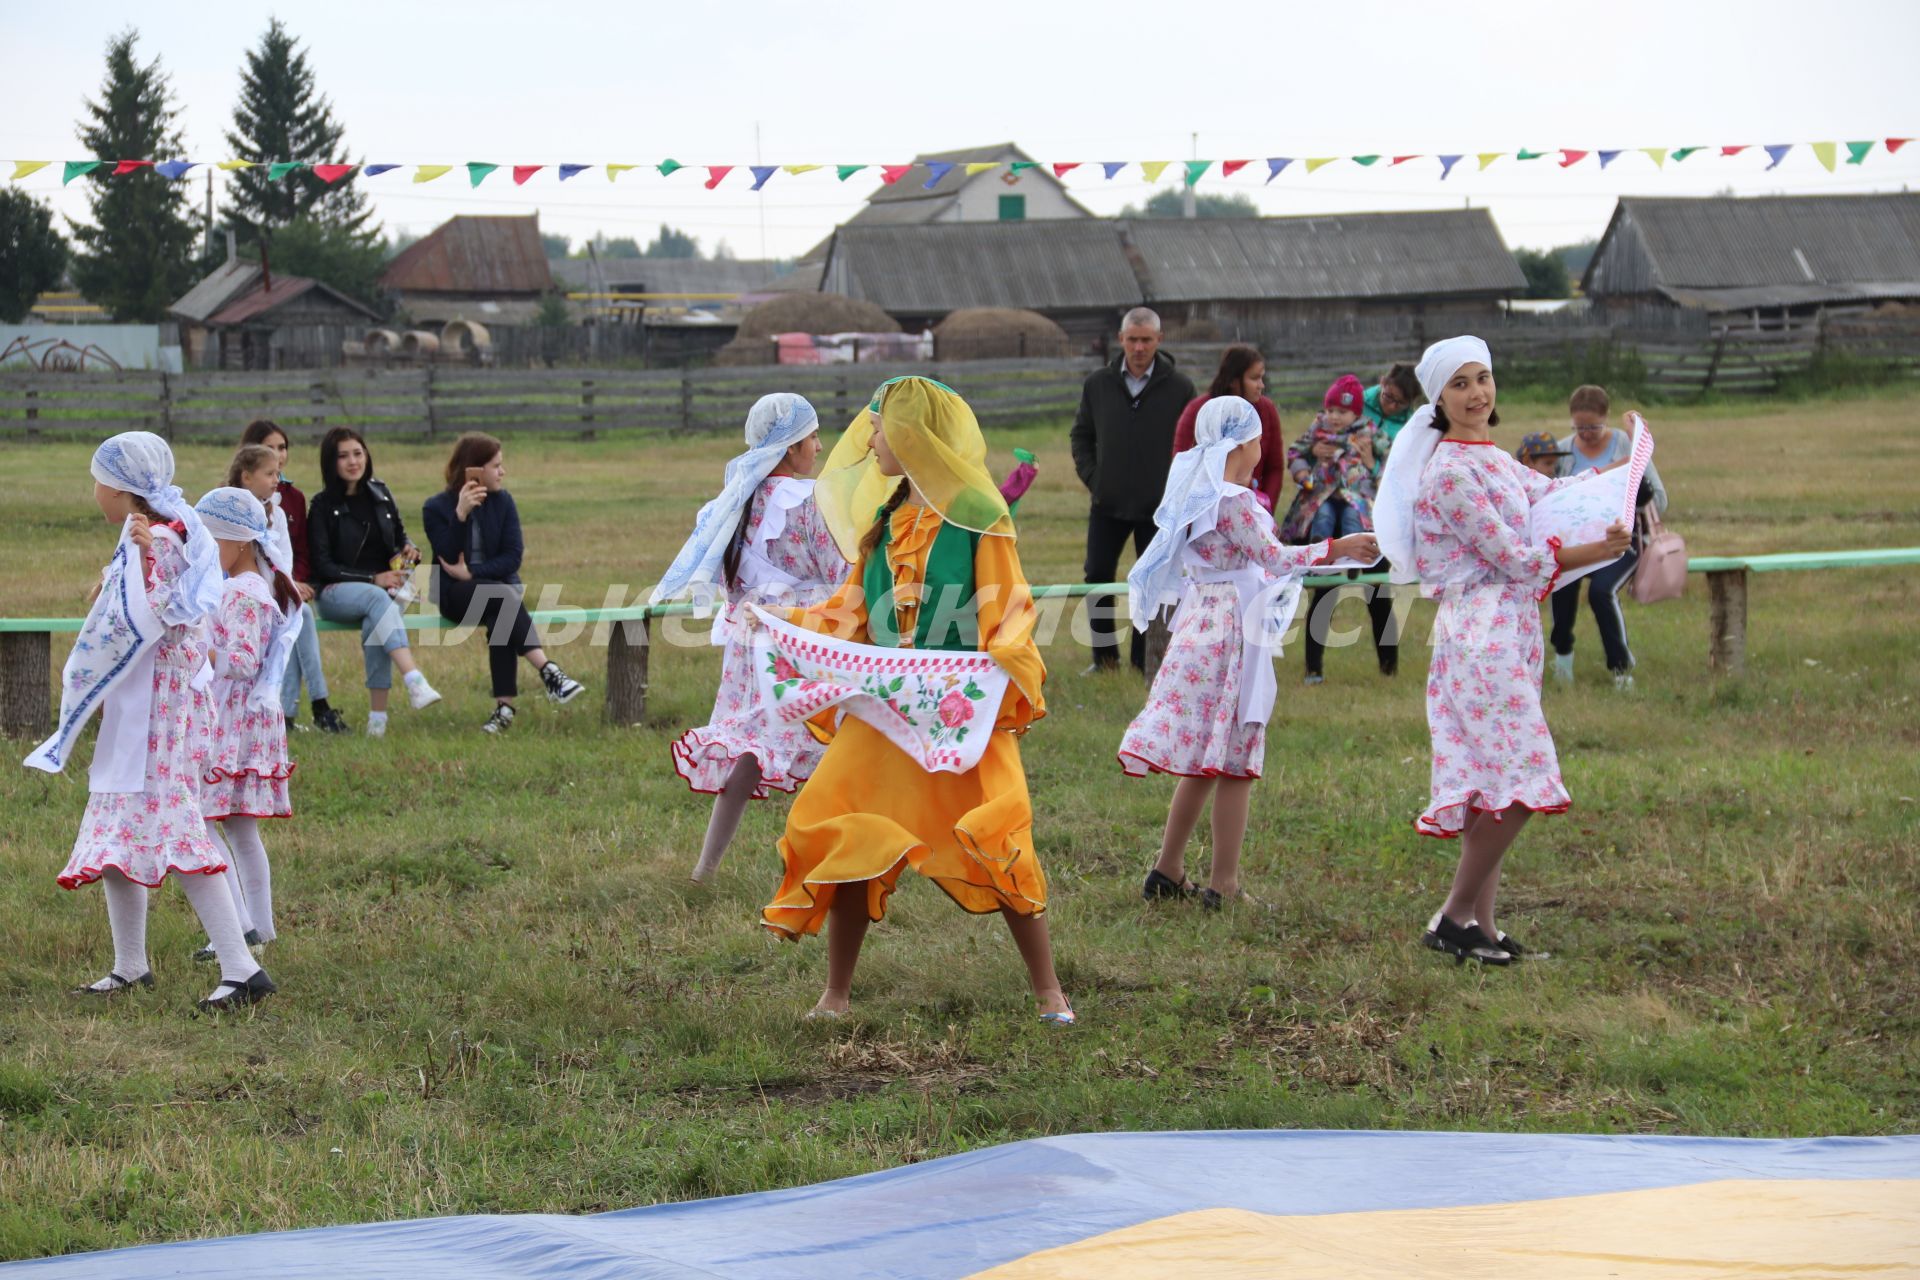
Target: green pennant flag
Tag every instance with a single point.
(1021, 166)
(1524, 154)
(78, 168)
(281, 168)
(477, 171)
(1195, 168)
(847, 170)
(1681, 153)
(1365, 159)
(1857, 151)
(666, 167)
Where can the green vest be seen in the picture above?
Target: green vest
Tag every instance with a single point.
(947, 597)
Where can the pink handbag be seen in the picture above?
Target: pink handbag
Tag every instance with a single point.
(1661, 573)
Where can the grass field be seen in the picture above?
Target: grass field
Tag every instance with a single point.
(500, 994)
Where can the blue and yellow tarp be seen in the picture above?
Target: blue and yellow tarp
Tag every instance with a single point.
(1127, 1206)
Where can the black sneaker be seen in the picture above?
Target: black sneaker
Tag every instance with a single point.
(115, 985)
(252, 991)
(500, 721)
(329, 721)
(1159, 887)
(561, 687)
(1509, 944)
(1463, 942)
(255, 945)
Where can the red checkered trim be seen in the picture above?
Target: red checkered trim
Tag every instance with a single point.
(909, 662)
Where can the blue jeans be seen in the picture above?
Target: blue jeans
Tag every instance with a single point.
(1334, 519)
(382, 633)
(305, 664)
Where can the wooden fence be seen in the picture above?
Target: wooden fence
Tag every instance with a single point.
(439, 400)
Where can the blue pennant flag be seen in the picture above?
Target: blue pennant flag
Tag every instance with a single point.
(1776, 153)
(175, 169)
(1275, 164)
(1446, 166)
(939, 169)
(1111, 167)
(568, 170)
(761, 172)
(1606, 157)
(375, 170)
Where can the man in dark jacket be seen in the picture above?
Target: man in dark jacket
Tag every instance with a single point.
(1122, 448)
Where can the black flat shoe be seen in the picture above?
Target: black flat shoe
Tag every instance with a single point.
(1159, 887)
(117, 984)
(1463, 942)
(1509, 944)
(252, 991)
(205, 955)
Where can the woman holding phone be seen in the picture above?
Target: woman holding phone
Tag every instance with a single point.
(474, 530)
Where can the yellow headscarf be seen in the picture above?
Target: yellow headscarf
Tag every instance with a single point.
(933, 433)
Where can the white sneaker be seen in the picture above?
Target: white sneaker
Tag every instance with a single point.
(1623, 683)
(376, 724)
(1563, 668)
(420, 694)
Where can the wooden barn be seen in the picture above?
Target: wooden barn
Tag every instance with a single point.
(1758, 262)
(242, 317)
(483, 268)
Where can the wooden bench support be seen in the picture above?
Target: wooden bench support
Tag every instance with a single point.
(25, 701)
(1157, 636)
(627, 645)
(1727, 621)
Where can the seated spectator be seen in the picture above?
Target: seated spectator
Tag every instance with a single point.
(473, 527)
(305, 663)
(362, 561)
(1243, 373)
(1542, 453)
(1388, 405)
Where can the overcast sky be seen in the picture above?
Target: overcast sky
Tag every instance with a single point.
(593, 82)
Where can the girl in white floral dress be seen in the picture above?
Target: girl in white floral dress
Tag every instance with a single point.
(135, 661)
(763, 540)
(1217, 557)
(1454, 509)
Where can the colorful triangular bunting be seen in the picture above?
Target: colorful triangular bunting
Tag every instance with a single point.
(936, 170)
(1365, 160)
(1154, 168)
(1524, 154)
(174, 169)
(1275, 164)
(1488, 157)
(278, 169)
(521, 172)
(1608, 157)
(615, 170)
(1894, 144)
(428, 172)
(1568, 157)
(569, 170)
(761, 172)
(1404, 159)
(847, 170)
(981, 166)
(375, 170)
(798, 169)
(1681, 153)
(1776, 152)
(1062, 168)
(231, 165)
(78, 168)
(668, 166)
(1195, 168)
(477, 171)
(21, 168)
(1111, 167)
(892, 173)
(1857, 151)
(1319, 162)
(715, 174)
(1658, 154)
(1824, 153)
(1446, 165)
(128, 166)
(331, 173)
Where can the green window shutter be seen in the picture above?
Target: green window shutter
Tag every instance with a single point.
(1013, 208)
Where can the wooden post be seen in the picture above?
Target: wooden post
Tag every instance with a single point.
(25, 703)
(686, 403)
(432, 404)
(1727, 621)
(33, 413)
(627, 645)
(1157, 636)
(586, 409)
(166, 406)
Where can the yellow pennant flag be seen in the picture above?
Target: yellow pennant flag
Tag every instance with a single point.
(615, 170)
(231, 165)
(800, 168)
(1488, 157)
(1154, 168)
(1316, 161)
(428, 172)
(21, 168)
(1824, 153)
(1659, 155)
(981, 166)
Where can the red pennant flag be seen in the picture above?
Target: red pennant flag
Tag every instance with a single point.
(521, 172)
(1230, 167)
(1403, 159)
(1894, 144)
(891, 173)
(1061, 170)
(715, 172)
(1734, 151)
(128, 166)
(1569, 156)
(332, 173)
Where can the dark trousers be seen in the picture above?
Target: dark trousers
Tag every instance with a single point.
(1603, 595)
(496, 608)
(1386, 635)
(1106, 539)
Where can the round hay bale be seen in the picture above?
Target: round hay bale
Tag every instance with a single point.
(461, 334)
(382, 342)
(800, 313)
(1200, 330)
(998, 333)
(418, 342)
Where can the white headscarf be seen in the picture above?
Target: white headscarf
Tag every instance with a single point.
(774, 424)
(1413, 446)
(1195, 484)
(140, 463)
(234, 515)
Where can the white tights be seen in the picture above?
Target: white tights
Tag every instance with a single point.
(252, 878)
(211, 901)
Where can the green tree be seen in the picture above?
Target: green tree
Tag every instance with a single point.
(280, 116)
(621, 247)
(135, 258)
(323, 250)
(1576, 256)
(1169, 202)
(1546, 273)
(554, 246)
(32, 254)
(672, 243)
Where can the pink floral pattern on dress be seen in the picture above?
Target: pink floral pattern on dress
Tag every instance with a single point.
(1191, 724)
(1491, 746)
(248, 769)
(788, 753)
(151, 833)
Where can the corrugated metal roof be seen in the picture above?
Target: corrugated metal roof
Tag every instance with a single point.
(221, 286)
(474, 254)
(1057, 264)
(1784, 249)
(669, 275)
(1363, 255)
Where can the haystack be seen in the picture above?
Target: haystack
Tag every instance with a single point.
(800, 313)
(998, 333)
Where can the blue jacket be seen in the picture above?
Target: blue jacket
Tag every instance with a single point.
(489, 537)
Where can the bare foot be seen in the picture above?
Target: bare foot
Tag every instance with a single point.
(832, 1004)
(1054, 1001)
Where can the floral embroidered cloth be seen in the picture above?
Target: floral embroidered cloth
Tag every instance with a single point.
(936, 705)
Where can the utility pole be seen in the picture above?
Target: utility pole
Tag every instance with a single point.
(209, 248)
(1187, 209)
(763, 195)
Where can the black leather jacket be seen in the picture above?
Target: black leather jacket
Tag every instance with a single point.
(336, 537)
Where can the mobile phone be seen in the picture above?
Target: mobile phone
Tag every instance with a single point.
(474, 474)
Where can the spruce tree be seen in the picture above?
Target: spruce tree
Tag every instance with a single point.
(280, 116)
(135, 258)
